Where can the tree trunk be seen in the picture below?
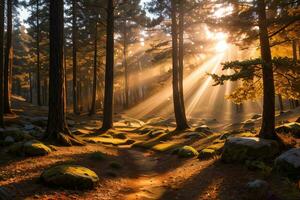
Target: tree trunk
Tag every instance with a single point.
(8, 59)
(125, 64)
(66, 80)
(181, 124)
(1, 61)
(268, 118)
(57, 129)
(93, 106)
(109, 69)
(181, 61)
(74, 54)
(38, 66)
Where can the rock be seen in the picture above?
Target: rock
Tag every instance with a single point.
(187, 152)
(70, 176)
(207, 154)
(249, 123)
(29, 127)
(35, 148)
(9, 140)
(288, 163)
(256, 116)
(71, 122)
(6, 194)
(203, 129)
(240, 149)
(193, 135)
(258, 189)
(289, 128)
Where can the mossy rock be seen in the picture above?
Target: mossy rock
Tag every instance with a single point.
(165, 146)
(240, 149)
(113, 141)
(288, 163)
(203, 129)
(187, 152)
(35, 148)
(17, 135)
(289, 128)
(207, 154)
(97, 155)
(16, 148)
(119, 135)
(70, 177)
(217, 147)
(245, 134)
(154, 141)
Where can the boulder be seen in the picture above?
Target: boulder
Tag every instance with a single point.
(291, 128)
(6, 194)
(187, 152)
(241, 149)
(258, 189)
(203, 129)
(207, 154)
(9, 140)
(35, 148)
(70, 177)
(288, 163)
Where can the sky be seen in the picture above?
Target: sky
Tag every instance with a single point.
(24, 13)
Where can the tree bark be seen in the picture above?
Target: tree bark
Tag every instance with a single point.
(181, 125)
(125, 65)
(74, 55)
(8, 59)
(268, 118)
(2, 7)
(30, 85)
(181, 61)
(38, 66)
(57, 129)
(93, 106)
(109, 69)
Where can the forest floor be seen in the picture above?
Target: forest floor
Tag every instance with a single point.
(132, 168)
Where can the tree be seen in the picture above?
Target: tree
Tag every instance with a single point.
(109, 69)
(2, 6)
(8, 59)
(57, 128)
(177, 73)
(38, 66)
(74, 56)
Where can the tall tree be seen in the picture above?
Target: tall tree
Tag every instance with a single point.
(177, 61)
(38, 66)
(93, 107)
(74, 56)
(57, 128)
(109, 69)
(268, 119)
(2, 8)
(8, 59)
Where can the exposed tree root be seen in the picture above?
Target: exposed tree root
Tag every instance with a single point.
(65, 139)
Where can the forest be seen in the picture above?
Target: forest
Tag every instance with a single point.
(150, 99)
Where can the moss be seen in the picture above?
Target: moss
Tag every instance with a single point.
(154, 141)
(119, 135)
(245, 134)
(218, 147)
(97, 155)
(165, 146)
(113, 141)
(289, 128)
(187, 152)
(70, 176)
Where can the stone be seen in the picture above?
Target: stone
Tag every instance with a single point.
(258, 189)
(289, 128)
(288, 163)
(35, 148)
(241, 149)
(70, 177)
(187, 152)
(256, 116)
(9, 140)
(207, 154)
(29, 127)
(203, 129)
(6, 194)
